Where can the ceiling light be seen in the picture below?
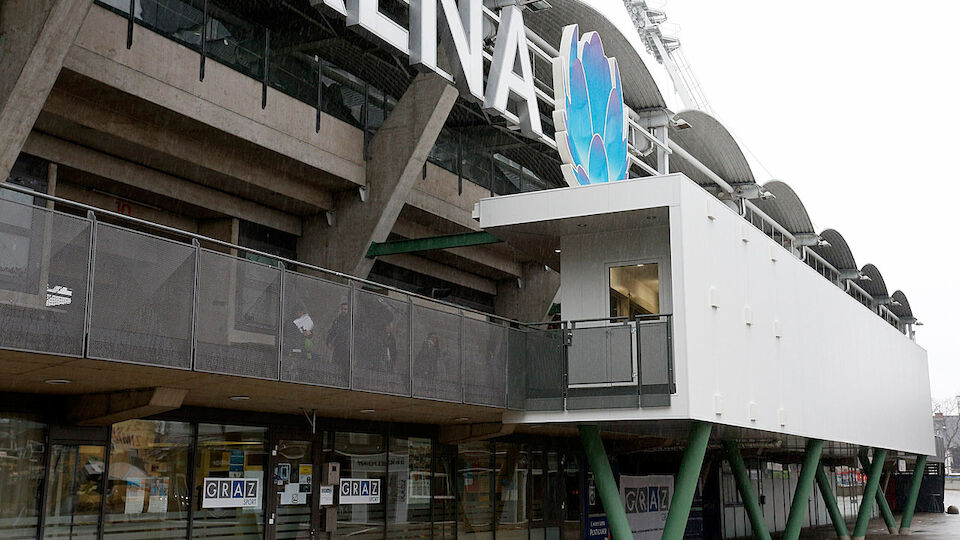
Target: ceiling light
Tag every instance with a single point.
(240, 398)
(556, 250)
(462, 419)
(367, 411)
(58, 381)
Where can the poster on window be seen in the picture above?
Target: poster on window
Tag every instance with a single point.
(646, 500)
(243, 492)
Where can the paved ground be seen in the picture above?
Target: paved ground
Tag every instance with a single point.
(925, 526)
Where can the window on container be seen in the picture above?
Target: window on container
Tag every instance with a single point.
(634, 290)
(147, 491)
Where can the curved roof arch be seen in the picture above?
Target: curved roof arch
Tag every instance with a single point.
(875, 286)
(786, 208)
(712, 144)
(901, 307)
(837, 253)
(640, 90)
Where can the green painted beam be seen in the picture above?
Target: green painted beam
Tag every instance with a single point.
(606, 485)
(836, 516)
(686, 485)
(911, 503)
(750, 502)
(869, 494)
(801, 496)
(432, 243)
(881, 496)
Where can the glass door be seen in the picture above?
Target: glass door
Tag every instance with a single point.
(292, 489)
(74, 491)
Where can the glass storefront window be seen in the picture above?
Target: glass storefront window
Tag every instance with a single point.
(21, 472)
(408, 490)
(147, 490)
(74, 493)
(361, 455)
(229, 453)
(511, 491)
(474, 485)
(445, 494)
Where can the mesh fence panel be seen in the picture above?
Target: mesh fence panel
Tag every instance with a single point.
(436, 361)
(516, 368)
(238, 317)
(544, 370)
(43, 279)
(484, 362)
(381, 344)
(316, 331)
(142, 299)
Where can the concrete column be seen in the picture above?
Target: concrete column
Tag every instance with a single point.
(527, 298)
(35, 36)
(397, 154)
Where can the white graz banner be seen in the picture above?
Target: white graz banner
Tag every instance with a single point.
(646, 500)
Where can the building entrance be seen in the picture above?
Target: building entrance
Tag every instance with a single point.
(74, 488)
(292, 496)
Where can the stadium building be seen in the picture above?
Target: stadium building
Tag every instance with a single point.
(418, 269)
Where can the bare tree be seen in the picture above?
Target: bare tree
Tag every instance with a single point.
(946, 421)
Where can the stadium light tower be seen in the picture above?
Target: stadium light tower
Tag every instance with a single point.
(666, 49)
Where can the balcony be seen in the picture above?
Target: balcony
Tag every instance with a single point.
(95, 288)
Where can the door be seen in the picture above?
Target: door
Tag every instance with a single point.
(292, 491)
(74, 490)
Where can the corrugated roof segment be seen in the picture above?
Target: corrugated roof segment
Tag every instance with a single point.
(837, 252)
(786, 208)
(875, 286)
(710, 143)
(640, 91)
(901, 307)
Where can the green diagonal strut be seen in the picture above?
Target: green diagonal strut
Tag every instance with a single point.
(836, 517)
(432, 243)
(801, 496)
(869, 494)
(606, 485)
(881, 497)
(907, 518)
(750, 502)
(686, 485)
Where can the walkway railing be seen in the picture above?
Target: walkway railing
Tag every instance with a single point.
(85, 286)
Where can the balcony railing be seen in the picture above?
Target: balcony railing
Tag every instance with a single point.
(79, 286)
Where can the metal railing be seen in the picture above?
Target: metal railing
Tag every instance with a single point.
(80, 286)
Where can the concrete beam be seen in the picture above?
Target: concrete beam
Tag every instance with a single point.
(529, 297)
(112, 407)
(397, 153)
(209, 154)
(156, 182)
(462, 433)
(36, 35)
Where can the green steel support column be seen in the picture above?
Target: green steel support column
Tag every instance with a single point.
(881, 496)
(606, 485)
(869, 494)
(811, 462)
(686, 485)
(750, 503)
(911, 504)
(836, 517)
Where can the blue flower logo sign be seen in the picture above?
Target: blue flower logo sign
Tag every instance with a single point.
(590, 119)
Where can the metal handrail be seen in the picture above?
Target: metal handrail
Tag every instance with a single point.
(194, 236)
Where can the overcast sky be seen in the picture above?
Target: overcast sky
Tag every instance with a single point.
(855, 105)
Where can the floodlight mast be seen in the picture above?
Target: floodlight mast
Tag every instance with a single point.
(666, 49)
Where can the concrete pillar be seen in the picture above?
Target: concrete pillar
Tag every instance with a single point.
(397, 154)
(527, 298)
(35, 36)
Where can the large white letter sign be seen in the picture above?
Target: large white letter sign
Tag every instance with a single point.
(502, 80)
(366, 14)
(462, 38)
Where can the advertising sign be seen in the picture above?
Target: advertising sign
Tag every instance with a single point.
(597, 528)
(646, 500)
(359, 491)
(231, 493)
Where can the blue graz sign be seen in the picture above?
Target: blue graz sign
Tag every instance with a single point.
(359, 491)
